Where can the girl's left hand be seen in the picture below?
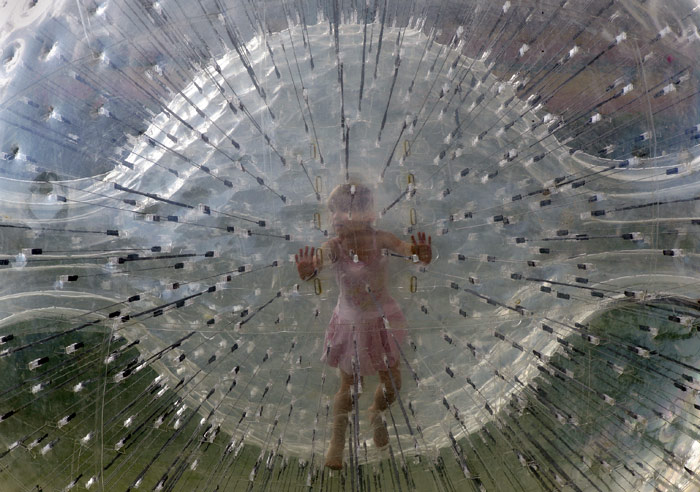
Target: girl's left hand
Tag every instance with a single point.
(422, 248)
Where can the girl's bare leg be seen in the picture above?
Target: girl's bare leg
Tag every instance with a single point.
(384, 395)
(342, 406)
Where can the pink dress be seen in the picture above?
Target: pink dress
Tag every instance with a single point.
(357, 334)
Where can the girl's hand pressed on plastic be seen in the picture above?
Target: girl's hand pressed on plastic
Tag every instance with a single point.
(422, 248)
(305, 263)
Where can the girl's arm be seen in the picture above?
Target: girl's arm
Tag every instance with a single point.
(422, 248)
(311, 261)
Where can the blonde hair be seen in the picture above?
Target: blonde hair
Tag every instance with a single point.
(351, 197)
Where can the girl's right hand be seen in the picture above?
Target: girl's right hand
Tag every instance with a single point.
(305, 261)
(423, 248)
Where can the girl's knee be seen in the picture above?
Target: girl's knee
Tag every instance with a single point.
(342, 403)
(391, 378)
(390, 396)
(387, 393)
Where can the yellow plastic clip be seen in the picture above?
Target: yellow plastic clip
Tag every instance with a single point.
(317, 220)
(414, 285)
(317, 286)
(318, 184)
(406, 147)
(319, 258)
(412, 217)
(411, 178)
(313, 150)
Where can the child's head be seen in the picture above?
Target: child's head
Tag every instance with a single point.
(351, 202)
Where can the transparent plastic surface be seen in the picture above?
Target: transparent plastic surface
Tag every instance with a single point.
(161, 164)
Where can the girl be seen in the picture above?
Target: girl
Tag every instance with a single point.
(367, 324)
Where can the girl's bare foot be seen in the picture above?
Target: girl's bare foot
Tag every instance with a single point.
(334, 456)
(381, 436)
